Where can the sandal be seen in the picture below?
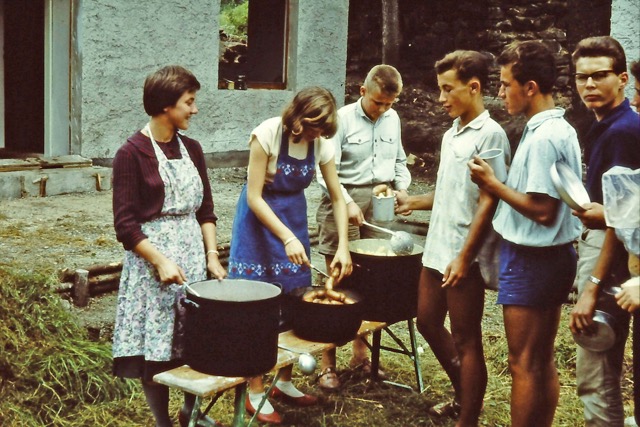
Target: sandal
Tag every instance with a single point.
(328, 379)
(365, 367)
(445, 409)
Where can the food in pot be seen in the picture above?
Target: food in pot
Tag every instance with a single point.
(380, 251)
(327, 296)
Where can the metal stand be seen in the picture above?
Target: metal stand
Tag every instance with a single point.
(412, 353)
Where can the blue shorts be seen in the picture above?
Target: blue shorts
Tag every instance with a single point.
(534, 276)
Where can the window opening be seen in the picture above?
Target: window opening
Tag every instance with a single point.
(253, 44)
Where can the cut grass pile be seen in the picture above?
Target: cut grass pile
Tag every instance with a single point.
(49, 367)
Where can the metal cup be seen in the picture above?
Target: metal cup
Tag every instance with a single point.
(383, 208)
(495, 159)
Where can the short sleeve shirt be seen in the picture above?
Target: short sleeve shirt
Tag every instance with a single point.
(456, 196)
(547, 138)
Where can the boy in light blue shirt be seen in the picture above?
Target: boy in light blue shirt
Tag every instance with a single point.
(537, 258)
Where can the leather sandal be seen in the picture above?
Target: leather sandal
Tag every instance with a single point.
(364, 366)
(328, 379)
(445, 409)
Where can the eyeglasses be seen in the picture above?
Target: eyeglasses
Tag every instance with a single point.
(597, 77)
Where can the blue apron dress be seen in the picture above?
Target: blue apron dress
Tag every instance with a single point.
(149, 323)
(258, 254)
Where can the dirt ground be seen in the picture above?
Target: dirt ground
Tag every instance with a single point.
(76, 231)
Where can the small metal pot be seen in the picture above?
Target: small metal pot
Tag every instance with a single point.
(326, 323)
(603, 337)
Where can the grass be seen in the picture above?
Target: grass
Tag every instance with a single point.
(52, 374)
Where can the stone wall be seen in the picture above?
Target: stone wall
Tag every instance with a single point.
(430, 29)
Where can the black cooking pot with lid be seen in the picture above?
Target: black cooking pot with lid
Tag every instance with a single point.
(387, 282)
(232, 327)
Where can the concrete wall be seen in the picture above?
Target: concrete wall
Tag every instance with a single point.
(119, 42)
(625, 27)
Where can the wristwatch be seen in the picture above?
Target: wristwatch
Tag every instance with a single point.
(595, 280)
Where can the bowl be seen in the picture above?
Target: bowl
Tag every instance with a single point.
(569, 186)
(602, 338)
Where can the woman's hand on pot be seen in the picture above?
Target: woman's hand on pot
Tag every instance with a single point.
(581, 318)
(170, 272)
(342, 263)
(215, 268)
(296, 253)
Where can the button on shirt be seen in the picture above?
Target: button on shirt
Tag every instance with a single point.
(456, 197)
(367, 152)
(547, 138)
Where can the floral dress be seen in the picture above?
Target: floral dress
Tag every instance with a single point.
(149, 320)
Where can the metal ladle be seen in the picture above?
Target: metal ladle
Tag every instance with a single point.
(401, 241)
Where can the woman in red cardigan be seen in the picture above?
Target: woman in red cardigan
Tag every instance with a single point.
(163, 214)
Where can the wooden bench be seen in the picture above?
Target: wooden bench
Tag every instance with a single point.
(205, 386)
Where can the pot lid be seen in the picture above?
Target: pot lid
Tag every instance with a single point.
(234, 290)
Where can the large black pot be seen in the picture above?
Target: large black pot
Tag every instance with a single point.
(232, 327)
(324, 322)
(387, 282)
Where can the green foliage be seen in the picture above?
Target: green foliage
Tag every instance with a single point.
(47, 363)
(234, 17)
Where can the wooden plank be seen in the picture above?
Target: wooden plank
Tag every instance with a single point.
(205, 385)
(10, 165)
(197, 383)
(72, 160)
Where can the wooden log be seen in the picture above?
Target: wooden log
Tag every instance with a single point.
(81, 288)
(67, 275)
(105, 287)
(96, 280)
(63, 287)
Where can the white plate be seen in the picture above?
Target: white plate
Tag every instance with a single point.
(569, 186)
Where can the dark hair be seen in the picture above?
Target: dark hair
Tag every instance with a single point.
(385, 77)
(530, 60)
(605, 46)
(164, 88)
(467, 64)
(635, 70)
(314, 107)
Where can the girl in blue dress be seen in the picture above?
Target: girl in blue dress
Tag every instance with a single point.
(270, 239)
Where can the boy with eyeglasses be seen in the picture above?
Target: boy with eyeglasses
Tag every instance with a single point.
(614, 140)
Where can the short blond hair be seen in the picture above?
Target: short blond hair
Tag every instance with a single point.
(385, 77)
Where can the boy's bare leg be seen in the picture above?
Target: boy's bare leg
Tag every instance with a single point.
(432, 310)
(466, 304)
(535, 389)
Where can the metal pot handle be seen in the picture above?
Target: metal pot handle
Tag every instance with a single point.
(188, 304)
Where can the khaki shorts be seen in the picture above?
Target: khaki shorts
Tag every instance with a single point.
(327, 230)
